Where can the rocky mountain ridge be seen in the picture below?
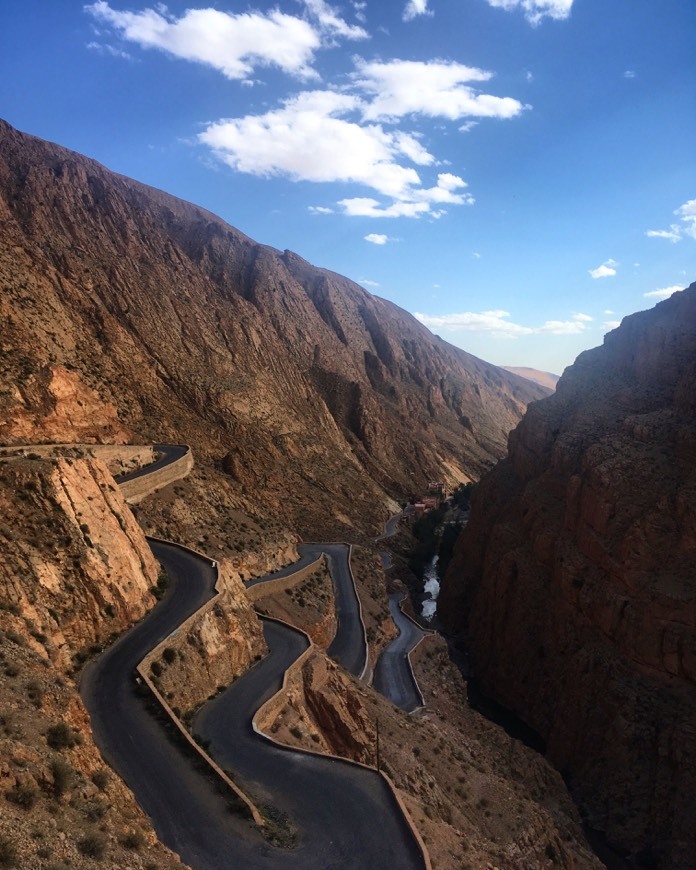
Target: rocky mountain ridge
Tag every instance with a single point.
(288, 378)
(574, 581)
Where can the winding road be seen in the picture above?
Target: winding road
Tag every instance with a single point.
(335, 806)
(394, 676)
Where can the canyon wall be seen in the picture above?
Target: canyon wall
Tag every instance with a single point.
(126, 310)
(574, 581)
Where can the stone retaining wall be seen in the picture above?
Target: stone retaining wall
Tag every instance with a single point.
(134, 491)
(270, 587)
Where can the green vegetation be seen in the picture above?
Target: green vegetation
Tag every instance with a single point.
(93, 845)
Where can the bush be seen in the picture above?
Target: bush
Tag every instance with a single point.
(8, 853)
(61, 736)
(101, 779)
(23, 794)
(63, 776)
(93, 845)
(134, 840)
(169, 654)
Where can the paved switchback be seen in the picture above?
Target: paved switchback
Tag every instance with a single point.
(336, 807)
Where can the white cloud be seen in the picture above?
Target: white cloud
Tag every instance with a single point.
(497, 323)
(609, 311)
(377, 238)
(664, 293)
(320, 209)
(606, 270)
(676, 232)
(233, 44)
(414, 8)
(330, 21)
(414, 202)
(366, 283)
(468, 126)
(536, 10)
(610, 324)
(583, 318)
(687, 213)
(435, 89)
(629, 74)
(476, 255)
(308, 139)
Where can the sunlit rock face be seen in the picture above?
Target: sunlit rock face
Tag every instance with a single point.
(575, 580)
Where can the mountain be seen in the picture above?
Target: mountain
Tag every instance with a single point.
(545, 379)
(129, 314)
(574, 581)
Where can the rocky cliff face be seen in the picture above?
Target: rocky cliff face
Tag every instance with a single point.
(74, 565)
(311, 395)
(74, 569)
(211, 649)
(574, 581)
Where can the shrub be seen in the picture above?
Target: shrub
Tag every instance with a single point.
(93, 844)
(61, 736)
(169, 654)
(134, 840)
(8, 853)
(63, 776)
(101, 779)
(23, 794)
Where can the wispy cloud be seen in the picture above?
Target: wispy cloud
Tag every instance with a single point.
(414, 8)
(629, 74)
(367, 283)
(497, 323)
(536, 10)
(111, 50)
(608, 325)
(320, 209)
(676, 232)
(606, 270)
(663, 293)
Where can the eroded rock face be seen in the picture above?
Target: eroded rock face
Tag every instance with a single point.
(313, 395)
(74, 565)
(213, 648)
(574, 580)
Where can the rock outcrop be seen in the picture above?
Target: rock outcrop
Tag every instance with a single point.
(75, 567)
(574, 581)
(217, 644)
(311, 395)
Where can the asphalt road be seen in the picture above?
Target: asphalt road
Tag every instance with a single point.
(349, 646)
(333, 805)
(346, 816)
(170, 453)
(393, 675)
(186, 812)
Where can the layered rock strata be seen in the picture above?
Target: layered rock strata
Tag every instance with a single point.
(574, 581)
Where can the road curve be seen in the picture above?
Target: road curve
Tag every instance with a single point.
(334, 805)
(393, 674)
(170, 453)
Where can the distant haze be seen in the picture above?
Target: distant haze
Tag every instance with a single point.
(546, 379)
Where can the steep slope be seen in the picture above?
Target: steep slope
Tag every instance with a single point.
(292, 379)
(574, 581)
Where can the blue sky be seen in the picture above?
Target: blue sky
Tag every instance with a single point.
(520, 174)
